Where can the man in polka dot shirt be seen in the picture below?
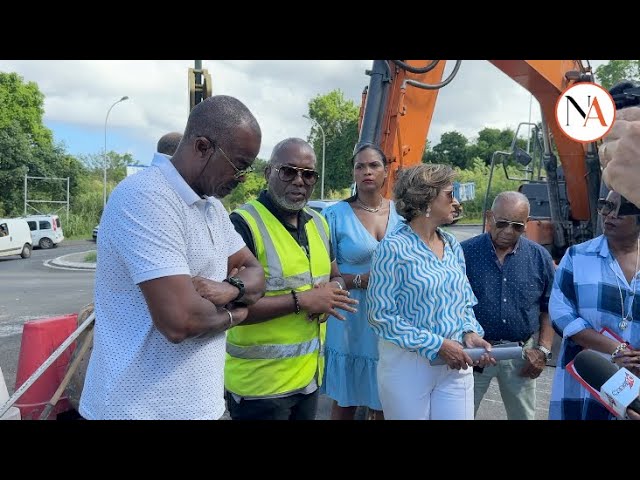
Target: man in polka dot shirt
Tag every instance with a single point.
(165, 249)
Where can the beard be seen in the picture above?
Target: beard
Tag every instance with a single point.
(282, 203)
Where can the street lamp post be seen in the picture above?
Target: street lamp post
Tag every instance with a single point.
(104, 192)
(323, 150)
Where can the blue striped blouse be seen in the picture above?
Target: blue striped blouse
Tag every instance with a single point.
(417, 300)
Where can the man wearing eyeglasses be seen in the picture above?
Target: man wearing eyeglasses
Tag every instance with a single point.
(512, 278)
(275, 360)
(166, 247)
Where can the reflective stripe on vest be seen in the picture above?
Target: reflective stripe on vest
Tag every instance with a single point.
(274, 351)
(276, 280)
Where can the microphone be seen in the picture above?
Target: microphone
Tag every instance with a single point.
(618, 387)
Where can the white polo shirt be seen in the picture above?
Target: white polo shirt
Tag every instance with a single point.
(155, 226)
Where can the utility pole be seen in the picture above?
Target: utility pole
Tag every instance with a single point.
(199, 84)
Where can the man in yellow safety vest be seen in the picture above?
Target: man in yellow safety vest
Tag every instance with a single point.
(275, 361)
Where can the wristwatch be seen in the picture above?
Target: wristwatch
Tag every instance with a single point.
(545, 350)
(239, 284)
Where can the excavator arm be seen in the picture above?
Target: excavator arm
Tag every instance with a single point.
(546, 80)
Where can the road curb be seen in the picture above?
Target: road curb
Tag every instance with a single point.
(72, 260)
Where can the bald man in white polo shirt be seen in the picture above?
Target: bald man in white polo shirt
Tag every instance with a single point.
(167, 282)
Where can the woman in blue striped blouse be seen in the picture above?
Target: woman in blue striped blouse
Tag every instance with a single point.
(421, 305)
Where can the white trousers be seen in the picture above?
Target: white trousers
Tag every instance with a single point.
(411, 389)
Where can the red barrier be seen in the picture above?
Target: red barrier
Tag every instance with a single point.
(40, 338)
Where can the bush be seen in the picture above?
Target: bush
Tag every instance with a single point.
(479, 174)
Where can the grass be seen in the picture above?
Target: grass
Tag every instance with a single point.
(91, 257)
(80, 236)
(470, 220)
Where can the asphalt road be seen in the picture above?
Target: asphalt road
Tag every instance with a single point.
(30, 290)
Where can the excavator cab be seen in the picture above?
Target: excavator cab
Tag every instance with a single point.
(532, 182)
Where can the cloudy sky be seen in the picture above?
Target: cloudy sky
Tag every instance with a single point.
(78, 94)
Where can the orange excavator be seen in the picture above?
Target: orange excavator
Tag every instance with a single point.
(397, 109)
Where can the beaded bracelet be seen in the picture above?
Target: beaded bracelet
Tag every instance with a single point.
(619, 348)
(295, 301)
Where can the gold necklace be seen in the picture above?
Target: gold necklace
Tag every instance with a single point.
(624, 323)
(367, 207)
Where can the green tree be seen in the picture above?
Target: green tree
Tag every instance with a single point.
(339, 119)
(27, 148)
(23, 103)
(116, 165)
(20, 156)
(452, 150)
(491, 140)
(250, 188)
(479, 174)
(615, 71)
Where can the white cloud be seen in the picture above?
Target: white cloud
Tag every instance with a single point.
(79, 93)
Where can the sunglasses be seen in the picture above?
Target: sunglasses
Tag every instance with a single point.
(287, 174)
(517, 226)
(620, 208)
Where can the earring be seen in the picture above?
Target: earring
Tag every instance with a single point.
(428, 211)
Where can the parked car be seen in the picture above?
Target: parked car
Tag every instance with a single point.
(15, 237)
(46, 230)
(318, 205)
(94, 234)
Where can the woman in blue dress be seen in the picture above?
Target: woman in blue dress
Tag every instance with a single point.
(357, 224)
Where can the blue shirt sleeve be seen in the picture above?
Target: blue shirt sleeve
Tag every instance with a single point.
(563, 306)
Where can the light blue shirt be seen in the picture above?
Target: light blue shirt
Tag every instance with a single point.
(589, 291)
(417, 300)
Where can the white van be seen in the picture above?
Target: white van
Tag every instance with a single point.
(46, 230)
(15, 237)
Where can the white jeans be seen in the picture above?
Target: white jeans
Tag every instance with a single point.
(411, 389)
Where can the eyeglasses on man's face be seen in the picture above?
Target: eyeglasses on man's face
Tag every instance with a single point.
(239, 173)
(287, 173)
(517, 226)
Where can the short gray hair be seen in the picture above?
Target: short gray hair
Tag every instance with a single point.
(511, 197)
(418, 186)
(281, 145)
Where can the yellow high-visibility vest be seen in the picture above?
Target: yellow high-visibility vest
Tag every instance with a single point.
(283, 354)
